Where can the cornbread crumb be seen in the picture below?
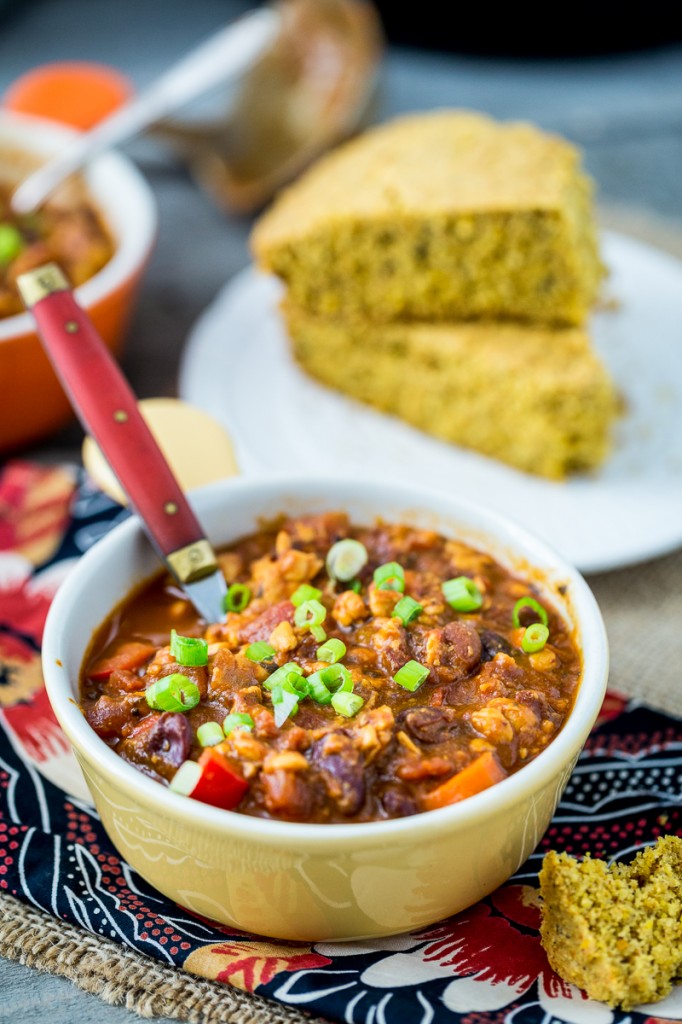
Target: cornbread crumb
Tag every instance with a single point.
(616, 931)
(536, 398)
(447, 215)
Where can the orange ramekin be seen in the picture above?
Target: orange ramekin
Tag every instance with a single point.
(33, 403)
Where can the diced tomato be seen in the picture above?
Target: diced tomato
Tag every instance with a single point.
(482, 773)
(129, 656)
(263, 625)
(218, 783)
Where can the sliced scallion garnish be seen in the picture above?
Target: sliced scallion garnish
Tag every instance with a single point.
(462, 594)
(411, 676)
(337, 679)
(237, 598)
(11, 243)
(345, 559)
(188, 650)
(310, 613)
(237, 720)
(387, 571)
(317, 690)
(407, 610)
(280, 674)
(390, 576)
(347, 704)
(534, 638)
(529, 602)
(305, 593)
(210, 733)
(284, 704)
(332, 651)
(173, 693)
(260, 651)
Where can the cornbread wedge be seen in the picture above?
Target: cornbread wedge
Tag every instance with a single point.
(536, 398)
(616, 931)
(441, 216)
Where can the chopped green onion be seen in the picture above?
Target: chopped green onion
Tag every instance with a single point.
(408, 610)
(310, 613)
(11, 243)
(317, 689)
(290, 677)
(237, 720)
(210, 733)
(534, 638)
(332, 651)
(260, 651)
(392, 583)
(188, 650)
(284, 703)
(388, 571)
(305, 593)
(337, 679)
(390, 576)
(280, 674)
(318, 634)
(173, 693)
(347, 704)
(529, 602)
(411, 676)
(346, 558)
(237, 598)
(355, 586)
(296, 683)
(462, 594)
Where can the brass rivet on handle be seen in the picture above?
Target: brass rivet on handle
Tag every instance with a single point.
(121, 416)
(170, 508)
(71, 327)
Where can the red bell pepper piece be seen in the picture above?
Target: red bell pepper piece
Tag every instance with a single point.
(212, 780)
(129, 656)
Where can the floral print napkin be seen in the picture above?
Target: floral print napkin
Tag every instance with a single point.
(484, 966)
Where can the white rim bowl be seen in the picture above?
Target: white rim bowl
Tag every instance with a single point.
(88, 595)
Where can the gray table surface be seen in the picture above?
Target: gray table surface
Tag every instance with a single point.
(625, 111)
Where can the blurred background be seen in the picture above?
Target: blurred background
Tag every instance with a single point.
(611, 83)
(615, 90)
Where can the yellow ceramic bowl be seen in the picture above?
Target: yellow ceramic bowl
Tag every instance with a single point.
(33, 403)
(314, 882)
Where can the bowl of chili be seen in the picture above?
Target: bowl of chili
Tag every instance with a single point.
(100, 228)
(375, 737)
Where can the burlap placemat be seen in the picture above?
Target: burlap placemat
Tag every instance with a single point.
(121, 977)
(642, 607)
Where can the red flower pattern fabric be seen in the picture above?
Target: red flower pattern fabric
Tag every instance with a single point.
(484, 966)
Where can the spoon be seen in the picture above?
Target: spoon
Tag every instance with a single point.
(107, 408)
(223, 57)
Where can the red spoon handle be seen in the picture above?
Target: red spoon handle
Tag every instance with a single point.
(108, 410)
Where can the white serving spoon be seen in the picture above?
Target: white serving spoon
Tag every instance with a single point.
(224, 57)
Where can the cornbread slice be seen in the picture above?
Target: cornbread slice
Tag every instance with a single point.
(441, 216)
(536, 398)
(616, 931)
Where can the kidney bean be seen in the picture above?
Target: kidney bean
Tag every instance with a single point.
(160, 743)
(492, 643)
(426, 724)
(342, 771)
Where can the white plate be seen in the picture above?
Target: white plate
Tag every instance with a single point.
(238, 367)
